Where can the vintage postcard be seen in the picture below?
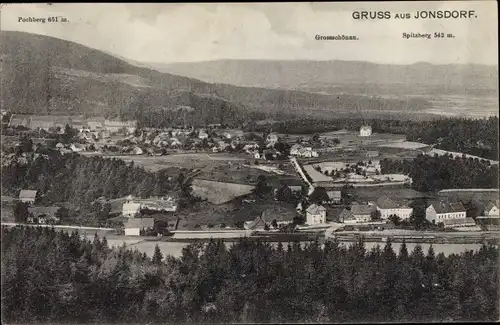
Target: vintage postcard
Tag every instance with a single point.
(249, 162)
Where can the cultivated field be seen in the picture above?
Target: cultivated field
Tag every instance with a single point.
(219, 192)
(349, 138)
(404, 145)
(230, 213)
(469, 194)
(236, 172)
(395, 193)
(185, 160)
(315, 175)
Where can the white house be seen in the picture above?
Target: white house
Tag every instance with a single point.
(388, 207)
(491, 210)
(77, 147)
(294, 150)
(133, 227)
(202, 135)
(365, 131)
(441, 211)
(138, 151)
(27, 196)
(315, 214)
(272, 138)
(130, 209)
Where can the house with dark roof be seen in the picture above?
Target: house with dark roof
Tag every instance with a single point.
(279, 214)
(346, 216)
(388, 207)
(134, 226)
(43, 214)
(439, 211)
(27, 196)
(490, 216)
(334, 197)
(257, 224)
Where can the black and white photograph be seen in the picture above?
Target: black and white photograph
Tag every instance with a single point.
(231, 163)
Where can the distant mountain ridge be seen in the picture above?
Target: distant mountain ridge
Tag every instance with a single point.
(302, 73)
(48, 76)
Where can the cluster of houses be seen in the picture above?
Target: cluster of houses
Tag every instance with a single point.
(84, 125)
(132, 208)
(298, 150)
(451, 214)
(38, 214)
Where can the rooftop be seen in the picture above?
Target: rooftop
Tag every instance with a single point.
(447, 207)
(37, 211)
(28, 194)
(140, 223)
(359, 209)
(385, 202)
(315, 209)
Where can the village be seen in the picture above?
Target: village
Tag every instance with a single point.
(316, 180)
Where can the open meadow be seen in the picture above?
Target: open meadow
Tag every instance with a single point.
(183, 160)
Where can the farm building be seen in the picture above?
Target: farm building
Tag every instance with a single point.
(388, 207)
(346, 216)
(256, 224)
(490, 215)
(131, 208)
(439, 211)
(365, 131)
(43, 214)
(133, 227)
(27, 196)
(362, 212)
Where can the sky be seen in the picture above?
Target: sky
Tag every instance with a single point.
(166, 33)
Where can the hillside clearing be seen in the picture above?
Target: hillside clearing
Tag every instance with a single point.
(219, 192)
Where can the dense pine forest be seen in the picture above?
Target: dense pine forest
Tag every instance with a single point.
(475, 137)
(434, 173)
(65, 278)
(80, 180)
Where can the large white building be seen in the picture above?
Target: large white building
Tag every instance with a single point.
(451, 214)
(315, 214)
(388, 207)
(365, 131)
(133, 227)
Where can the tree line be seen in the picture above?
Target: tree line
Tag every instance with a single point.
(50, 276)
(81, 180)
(434, 173)
(472, 136)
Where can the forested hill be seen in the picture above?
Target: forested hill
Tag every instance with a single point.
(53, 76)
(55, 277)
(298, 73)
